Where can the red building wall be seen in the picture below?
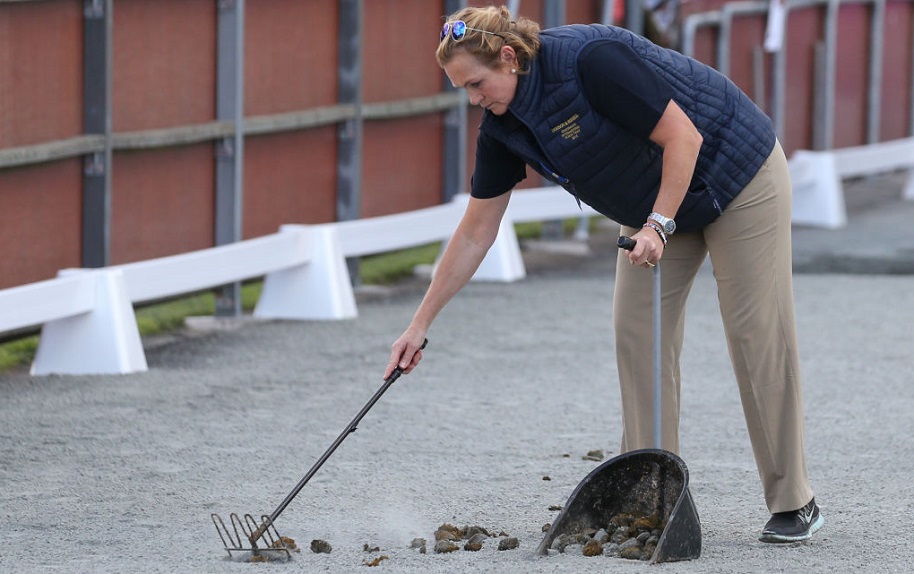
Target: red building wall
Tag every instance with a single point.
(40, 221)
(40, 100)
(164, 76)
(290, 65)
(895, 121)
(164, 55)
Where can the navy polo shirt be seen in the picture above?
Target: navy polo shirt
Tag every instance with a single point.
(619, 85)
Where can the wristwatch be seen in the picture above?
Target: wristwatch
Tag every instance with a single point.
(668, 225)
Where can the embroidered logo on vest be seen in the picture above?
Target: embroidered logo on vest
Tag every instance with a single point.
(569, 129)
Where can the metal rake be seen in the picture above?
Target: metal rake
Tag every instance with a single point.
(246, 531)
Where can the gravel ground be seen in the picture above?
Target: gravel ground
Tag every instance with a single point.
(120, 474)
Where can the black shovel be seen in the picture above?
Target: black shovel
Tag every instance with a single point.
(651, 483)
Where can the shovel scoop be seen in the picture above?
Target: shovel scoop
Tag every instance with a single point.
(650, 484)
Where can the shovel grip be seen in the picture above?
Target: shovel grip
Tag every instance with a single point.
(626, 243)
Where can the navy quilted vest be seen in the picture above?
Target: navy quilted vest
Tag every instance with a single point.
(563, 138)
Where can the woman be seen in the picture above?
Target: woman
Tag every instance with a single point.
(690, 167)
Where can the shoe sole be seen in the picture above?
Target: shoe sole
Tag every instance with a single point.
(777, 538)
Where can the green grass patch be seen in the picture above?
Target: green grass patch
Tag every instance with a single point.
(388, 268)
(18, 352)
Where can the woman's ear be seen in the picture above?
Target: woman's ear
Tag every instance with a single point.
(508, 56)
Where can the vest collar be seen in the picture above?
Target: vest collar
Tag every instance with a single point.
(528, 90)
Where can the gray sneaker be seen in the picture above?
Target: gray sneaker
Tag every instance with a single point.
(793, 526)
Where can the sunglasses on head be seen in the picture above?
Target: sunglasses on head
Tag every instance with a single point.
(458, 29)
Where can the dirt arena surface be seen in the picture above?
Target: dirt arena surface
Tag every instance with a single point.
(121, 473)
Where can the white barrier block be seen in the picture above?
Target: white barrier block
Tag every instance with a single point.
(503, 262)
(818, 195)
(908, 191)
(320, 289)
(105, 340)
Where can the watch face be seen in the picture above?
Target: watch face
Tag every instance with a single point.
(669, 226)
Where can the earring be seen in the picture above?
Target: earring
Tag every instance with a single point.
(513, 70)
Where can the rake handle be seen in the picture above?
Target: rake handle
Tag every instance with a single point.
(350, 428)
(628, 243)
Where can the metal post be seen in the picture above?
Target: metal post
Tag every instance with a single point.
(634, 16)
(820, 96)
(455, 134)
(779, 91)
(229, 150)
(553, 15)
(827, 127)
(911, 85)
(609, 10)
(691, 25)
(758, 77)
(349, 136)
(874, 93)
(96, 216)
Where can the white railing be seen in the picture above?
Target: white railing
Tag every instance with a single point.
(88, 324)
(818, 193)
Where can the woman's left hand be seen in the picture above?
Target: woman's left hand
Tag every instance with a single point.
(648, 248)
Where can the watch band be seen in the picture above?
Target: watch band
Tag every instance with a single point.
(667, 223)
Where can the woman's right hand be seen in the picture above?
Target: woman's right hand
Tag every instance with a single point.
(648, 248)
(465, 249)
(406, 352)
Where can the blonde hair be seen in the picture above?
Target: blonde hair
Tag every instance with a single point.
(522, 35)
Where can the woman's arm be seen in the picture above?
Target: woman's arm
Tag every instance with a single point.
(681, 142)
(465, 251)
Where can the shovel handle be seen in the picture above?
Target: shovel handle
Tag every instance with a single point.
(629, 244)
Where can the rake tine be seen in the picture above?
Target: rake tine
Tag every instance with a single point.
(244, 533)
(231, 539)
(267, 531)
(247, 526)
(243, 524)
(220, 527)
(253, 531)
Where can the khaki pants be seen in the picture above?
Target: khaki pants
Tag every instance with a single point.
(750, 250)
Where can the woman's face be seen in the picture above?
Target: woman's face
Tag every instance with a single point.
(491, 88)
